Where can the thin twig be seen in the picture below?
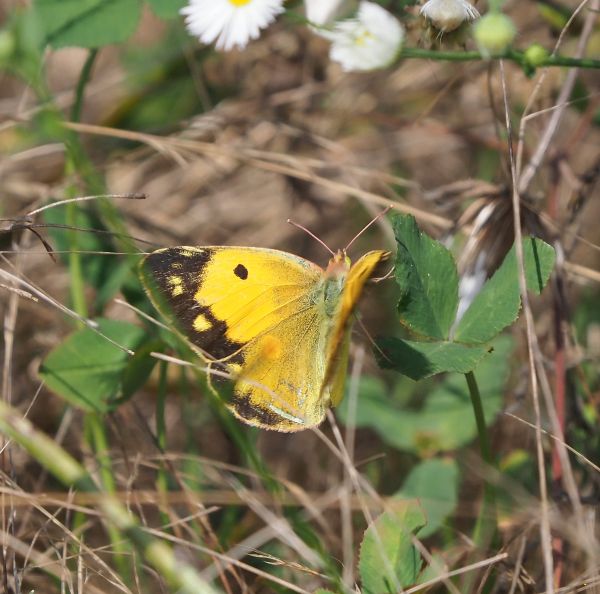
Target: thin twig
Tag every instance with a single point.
(558, 440)
(345, 496)
(133, 196)
(538, 86)
(449, 574)
(516, 202)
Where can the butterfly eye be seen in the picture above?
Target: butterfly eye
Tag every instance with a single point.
(241, 271)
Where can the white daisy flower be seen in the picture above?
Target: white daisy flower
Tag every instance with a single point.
(448, 15)
(370, 40)
(324, 12)
(230, 23)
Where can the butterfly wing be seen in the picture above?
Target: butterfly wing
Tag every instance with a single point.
(250, 312)
(339, 341)
(279, 385)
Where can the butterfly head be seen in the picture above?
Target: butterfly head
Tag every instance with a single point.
(338, 265)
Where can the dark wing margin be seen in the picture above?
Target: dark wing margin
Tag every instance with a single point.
(171, 278)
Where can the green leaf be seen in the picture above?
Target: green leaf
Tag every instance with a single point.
(21, 52)
(87, 23)
(388, 559)
(438, 566)
(539, 262)
(445, 422)
(498, 303)
(434, 483)
(419, 360)
(167, 9)
(554, 14)
(373, 402)
(139, 368)
(426, 273)
(87, 370)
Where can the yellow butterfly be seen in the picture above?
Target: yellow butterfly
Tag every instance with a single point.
(276, 323)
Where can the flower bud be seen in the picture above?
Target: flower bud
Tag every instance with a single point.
(493, 33)
(536, 55)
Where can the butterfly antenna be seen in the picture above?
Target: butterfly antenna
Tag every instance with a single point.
(301, 227)
(26, 222)
(371, 222)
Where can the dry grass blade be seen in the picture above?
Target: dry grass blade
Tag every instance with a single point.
(446, 576)
(516, 201)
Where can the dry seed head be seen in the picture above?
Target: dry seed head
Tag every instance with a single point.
(448, 15)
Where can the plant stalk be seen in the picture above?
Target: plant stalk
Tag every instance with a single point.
(510, 54)
(485, 528)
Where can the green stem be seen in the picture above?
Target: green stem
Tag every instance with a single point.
(162, 478)
(99, 444)
(75, 263)
(84, 78)
(510, 54)
(485, 527)
(77, 285)
(81, 164)
(161, 427)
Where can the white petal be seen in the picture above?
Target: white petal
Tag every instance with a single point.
(324, 12)
(371, 40)
(227, 23)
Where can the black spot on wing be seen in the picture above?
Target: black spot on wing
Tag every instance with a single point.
(241, 271)
(172, 278)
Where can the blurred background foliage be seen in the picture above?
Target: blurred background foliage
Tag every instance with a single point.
(226, 147)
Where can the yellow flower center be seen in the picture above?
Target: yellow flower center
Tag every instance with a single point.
(363, 37)
(238, 3)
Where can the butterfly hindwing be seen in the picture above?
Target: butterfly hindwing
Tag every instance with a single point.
(280, 382)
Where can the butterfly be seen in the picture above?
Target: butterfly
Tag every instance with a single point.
(276, 324)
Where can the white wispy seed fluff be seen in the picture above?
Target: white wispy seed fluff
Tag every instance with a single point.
(448, 15)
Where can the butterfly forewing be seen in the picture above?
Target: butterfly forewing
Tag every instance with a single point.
(251, 312)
